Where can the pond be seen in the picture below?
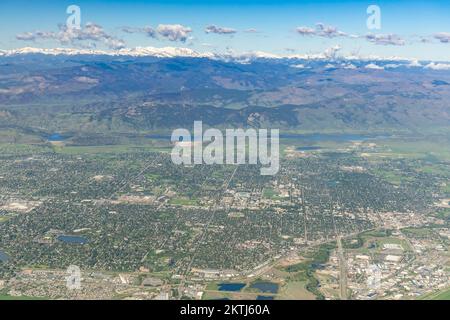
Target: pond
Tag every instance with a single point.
(268, 287)
(72, 239)
(264, 298)
(55, 137)
(231, 286)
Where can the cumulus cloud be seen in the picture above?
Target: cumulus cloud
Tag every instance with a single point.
(385, 39)
(321, 30)
(251, 30)
(219, 30)
(26, 36)
(148, 31)
(326, 31)
(332, 52)
(87, 36)
(306, 31)
(329, 31)
(443, 37)
(174, 32)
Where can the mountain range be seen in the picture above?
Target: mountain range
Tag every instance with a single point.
(147, 90)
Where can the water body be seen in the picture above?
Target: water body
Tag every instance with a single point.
(3, 257)
(231, 286)
(72, 239)
(55, 137)
(264, 298)
(268, 287)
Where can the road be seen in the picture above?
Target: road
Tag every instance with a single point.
(342, 269)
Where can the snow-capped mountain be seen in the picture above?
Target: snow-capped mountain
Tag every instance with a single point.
(171, 52)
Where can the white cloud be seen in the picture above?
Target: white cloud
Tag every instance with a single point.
(148, 31)
(385, 39)
(219, 30)
(26, 36)
(329, 31)
(306, 31)
(87, 36)
(443, 37)
(331, 53)
(174, 32)
(321, 30)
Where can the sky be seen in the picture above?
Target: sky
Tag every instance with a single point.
(407, 28)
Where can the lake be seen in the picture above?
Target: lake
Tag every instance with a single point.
(73, 239)
(264, 298)
(269, 287)
(231, 286)
(56, 137)
(3, 257)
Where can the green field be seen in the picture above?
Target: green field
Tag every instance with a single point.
(4, 297)
(3, 218)
(184, 202)
(270, 193)
(441, 295)
(74, 150)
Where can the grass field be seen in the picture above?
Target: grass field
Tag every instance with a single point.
(4, 297)
(73, 150)
(441, 295)
(417, 148)
(295, 290)
(395, 178)
(183, 202)
(3, 218)
(270, 193)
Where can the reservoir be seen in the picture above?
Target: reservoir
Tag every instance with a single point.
(55, 137)
(72, 239)
(231, 286)
(264, 298)
(268, 287)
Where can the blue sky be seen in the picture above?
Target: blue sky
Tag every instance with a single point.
(416, 29)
